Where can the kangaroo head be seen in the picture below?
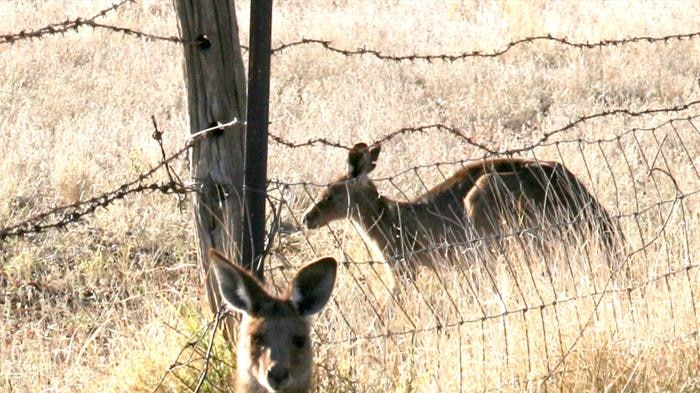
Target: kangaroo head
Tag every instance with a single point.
(338, 198)
(274, 348)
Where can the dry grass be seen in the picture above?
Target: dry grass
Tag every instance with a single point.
(108, 304)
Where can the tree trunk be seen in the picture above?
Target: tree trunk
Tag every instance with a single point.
(216, 95)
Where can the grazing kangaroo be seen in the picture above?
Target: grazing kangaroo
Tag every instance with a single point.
(274, 351)
(474, 202)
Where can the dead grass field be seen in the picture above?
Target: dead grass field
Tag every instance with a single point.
(107, 305)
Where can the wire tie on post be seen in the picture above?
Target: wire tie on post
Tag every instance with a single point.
(194, 138)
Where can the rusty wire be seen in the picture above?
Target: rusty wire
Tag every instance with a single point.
(61, 27)
(328, 45)
(461, 135)
(75, 23)
(61, 216)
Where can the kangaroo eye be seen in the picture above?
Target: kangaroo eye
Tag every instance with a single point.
(256, 340)
(299, 341)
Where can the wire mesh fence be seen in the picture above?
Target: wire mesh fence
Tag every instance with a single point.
(514, 311)
(518, 311)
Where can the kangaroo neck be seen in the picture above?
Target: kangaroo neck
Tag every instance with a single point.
(376, 218)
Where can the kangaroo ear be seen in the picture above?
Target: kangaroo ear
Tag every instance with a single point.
(238, 288)
(312, 286)
(362, 160)
(374, 153)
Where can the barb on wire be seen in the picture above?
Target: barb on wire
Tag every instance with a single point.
(133, 33)
(328, 45)
(458, 133)
(310, 142)
(61, 216)
(172, 175)
(61, 27)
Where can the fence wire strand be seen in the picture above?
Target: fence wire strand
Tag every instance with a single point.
(449, 58)
(460, 135)
(60, 28)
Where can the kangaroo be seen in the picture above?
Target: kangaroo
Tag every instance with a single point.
(474, 202)
(274, 351)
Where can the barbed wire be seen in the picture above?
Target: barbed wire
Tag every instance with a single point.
(328, 45)
(461, 135)
(61, 27)
(75, 23)
(131, 32)
(61, 216)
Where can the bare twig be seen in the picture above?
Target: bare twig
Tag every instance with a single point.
(207, 358)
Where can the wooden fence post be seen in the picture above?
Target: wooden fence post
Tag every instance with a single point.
(216, 95)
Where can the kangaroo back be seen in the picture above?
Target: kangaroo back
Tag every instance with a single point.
(527, 193)
(461, 182)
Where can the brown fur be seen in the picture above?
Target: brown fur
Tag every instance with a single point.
(481, 199)
(274, 352)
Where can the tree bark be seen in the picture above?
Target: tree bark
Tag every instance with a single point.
(216, 94)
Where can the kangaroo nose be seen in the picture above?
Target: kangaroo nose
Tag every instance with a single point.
(278, 377)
